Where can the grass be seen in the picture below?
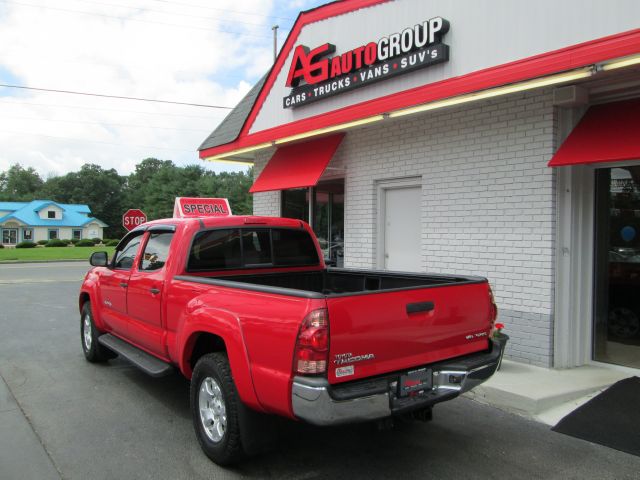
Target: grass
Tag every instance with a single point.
(8, 255)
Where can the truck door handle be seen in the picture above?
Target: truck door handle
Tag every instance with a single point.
(420, 307)
(124, 284)
(154, 290)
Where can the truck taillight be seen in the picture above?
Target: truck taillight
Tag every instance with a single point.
(312, 346)
(493, 310)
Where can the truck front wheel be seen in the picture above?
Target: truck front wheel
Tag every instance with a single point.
(215, 406)
(93, 351)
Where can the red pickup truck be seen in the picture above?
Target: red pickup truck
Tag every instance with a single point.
(246, 308)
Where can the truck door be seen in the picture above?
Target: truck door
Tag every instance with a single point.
(114, 283)
(144, 295)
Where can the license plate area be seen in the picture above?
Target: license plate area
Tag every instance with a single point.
(415, 383)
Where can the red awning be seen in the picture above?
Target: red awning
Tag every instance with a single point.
(298, 165)
(607, 133)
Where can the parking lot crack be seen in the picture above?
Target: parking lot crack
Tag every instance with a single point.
(35, 432)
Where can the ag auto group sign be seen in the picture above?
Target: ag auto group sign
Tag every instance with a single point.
(314, 74)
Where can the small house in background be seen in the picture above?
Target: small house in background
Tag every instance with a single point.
(46, 220)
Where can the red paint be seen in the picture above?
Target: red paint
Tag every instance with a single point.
(133, 218)
(380, 324)
(265, 332)
(309, 65)
(297, 165)
(568, 58)
(618, 124)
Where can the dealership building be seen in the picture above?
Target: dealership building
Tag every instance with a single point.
(493, 138)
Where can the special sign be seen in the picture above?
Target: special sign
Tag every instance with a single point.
(185, 207)
(413, 48)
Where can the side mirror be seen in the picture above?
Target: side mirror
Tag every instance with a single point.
(99, 259)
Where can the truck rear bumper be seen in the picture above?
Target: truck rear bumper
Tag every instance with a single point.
(315, 401)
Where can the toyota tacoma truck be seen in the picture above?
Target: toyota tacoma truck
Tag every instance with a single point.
(246, 309)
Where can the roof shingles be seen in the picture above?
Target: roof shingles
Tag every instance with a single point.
(230, 127)
(27, 213)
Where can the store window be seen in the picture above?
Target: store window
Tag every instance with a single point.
(53, 234)
(617, 279)
(77, 234)
(328, 215)
(27, 234)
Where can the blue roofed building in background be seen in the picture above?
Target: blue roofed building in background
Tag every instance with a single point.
(46, 220)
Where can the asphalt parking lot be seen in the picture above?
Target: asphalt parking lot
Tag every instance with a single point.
(61, 417)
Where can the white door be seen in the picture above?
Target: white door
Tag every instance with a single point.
(402, 229)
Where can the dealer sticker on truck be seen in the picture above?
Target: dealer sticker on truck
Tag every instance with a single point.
(345, 371)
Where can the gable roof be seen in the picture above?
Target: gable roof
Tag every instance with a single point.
(230, 127)
(73, 215)
(240, 119)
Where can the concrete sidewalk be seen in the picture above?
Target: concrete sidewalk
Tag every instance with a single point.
(544, 394)
(22, 456)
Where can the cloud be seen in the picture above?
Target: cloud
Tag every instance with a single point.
(160, 50)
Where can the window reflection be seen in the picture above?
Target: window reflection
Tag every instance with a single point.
(617, 326)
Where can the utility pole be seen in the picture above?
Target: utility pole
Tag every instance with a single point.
(275, 42)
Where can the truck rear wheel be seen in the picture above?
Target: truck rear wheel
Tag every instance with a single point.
(93, 351)
(215, 407)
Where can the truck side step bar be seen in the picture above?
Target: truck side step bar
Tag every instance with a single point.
(141, 359)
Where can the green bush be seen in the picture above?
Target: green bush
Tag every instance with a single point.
(26, 244)
(42, 242)
(1, 245)
(55, 243)
(112, 243)
(96, 240)
(75, 240)
(66, 241)
(85, 242)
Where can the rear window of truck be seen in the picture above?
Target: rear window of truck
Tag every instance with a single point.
(235, 248)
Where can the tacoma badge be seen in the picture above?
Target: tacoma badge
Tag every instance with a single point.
(343, 358)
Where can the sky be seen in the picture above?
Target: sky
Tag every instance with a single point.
(193, 51)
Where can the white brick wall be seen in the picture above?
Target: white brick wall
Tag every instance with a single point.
(488, 203)
(265, 203)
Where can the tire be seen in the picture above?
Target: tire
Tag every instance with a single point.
(215, 407)
(93, 351)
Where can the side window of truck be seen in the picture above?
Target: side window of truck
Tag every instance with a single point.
(156, 251)
(125, 256)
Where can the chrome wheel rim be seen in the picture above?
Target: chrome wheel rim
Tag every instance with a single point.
(213, 412)
(86, 332)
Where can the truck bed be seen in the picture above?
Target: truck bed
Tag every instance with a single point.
(386, 321)
(334, 282)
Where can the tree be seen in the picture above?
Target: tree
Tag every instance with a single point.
(233, 186)
(137, 185)
(152, 187)
(20, 184)
(168, 183)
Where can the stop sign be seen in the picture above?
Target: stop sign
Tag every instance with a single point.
(132, 218)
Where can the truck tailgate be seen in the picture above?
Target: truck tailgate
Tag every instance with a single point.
(381, 332)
